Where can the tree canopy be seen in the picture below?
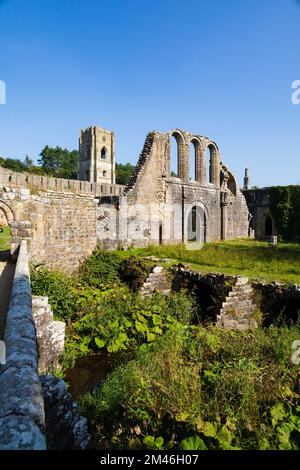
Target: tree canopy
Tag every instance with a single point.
(124, 173)
(61, 163)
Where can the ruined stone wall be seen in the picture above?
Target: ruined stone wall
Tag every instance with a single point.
(259, 208)
(155, 207)
(153, 189)
(60, 227)
(46, 183)
(50, 334)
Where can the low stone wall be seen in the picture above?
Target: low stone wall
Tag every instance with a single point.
(210, 290)
(66, 429)
(277, 302)
(37, 182)
(50, 334)
(22, 418)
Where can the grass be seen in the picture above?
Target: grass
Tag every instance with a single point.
(251, 258)
(5, 239)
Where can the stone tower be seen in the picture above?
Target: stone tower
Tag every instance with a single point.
(96, 155)
(246, 179)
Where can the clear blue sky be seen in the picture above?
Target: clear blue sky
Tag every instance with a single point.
(219, 68)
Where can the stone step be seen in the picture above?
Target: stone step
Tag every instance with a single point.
(237, 302)
(241, 289)
(241, 280)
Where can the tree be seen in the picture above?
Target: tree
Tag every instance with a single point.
(124, 173)
(12, 164)
(59, 162)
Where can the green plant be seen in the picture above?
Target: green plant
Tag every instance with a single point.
(59, 288)
(217, 385)
(285, 209)
(192, 443)
(100, 270)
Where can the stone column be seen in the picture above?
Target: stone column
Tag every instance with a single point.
(200, 166)
(224, 204)
(184, 161)
(215, 171)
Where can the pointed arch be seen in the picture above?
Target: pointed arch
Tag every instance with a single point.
(214, 164)
(182, 157)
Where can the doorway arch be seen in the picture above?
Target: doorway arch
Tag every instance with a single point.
(196, 224)
(6, 220)
(268, 226)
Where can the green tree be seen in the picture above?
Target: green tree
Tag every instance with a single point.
(124, 173)
(12, 164)
(59, 162)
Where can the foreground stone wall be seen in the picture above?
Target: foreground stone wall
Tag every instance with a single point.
(22, 418)
(50, 334)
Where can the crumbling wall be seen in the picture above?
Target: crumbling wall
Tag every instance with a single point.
(60, 227)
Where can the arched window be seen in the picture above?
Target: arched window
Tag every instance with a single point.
(103, 153)
(174, 156)
(268, 227)
(177, 163)
(212, 165)
(104, 174)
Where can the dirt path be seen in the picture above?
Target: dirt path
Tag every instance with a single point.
(7, 270)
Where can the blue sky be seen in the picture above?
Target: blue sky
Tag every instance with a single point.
(218, 68)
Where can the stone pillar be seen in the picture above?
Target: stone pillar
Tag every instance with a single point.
(200, 166)
(215, 170)
(184, 161)
(224, 204)
(246, 179)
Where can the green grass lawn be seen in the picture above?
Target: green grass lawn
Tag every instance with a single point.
(256, 260)
(5, 239)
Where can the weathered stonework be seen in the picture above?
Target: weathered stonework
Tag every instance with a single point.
(155, 207)
(97, 155)
(64, 221)
(238, 310)
(262, 221)
(22, 418)
(66, 429)
(60, 227)
(50, 334)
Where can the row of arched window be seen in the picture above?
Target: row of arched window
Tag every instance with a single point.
(201, 165)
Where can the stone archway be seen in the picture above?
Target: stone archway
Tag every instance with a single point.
(182, 155)
(196, 223)
(9, 216)
(214, 164)
(268, 226)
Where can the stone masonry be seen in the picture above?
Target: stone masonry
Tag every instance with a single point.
(157, 281)
(238, 310)
(50, 334)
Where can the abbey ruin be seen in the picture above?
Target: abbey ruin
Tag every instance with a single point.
(65, 220)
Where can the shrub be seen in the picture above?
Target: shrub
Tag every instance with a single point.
(134, 271)
(120, 319)
(100, 270)
(59, 288)
(223, 387)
